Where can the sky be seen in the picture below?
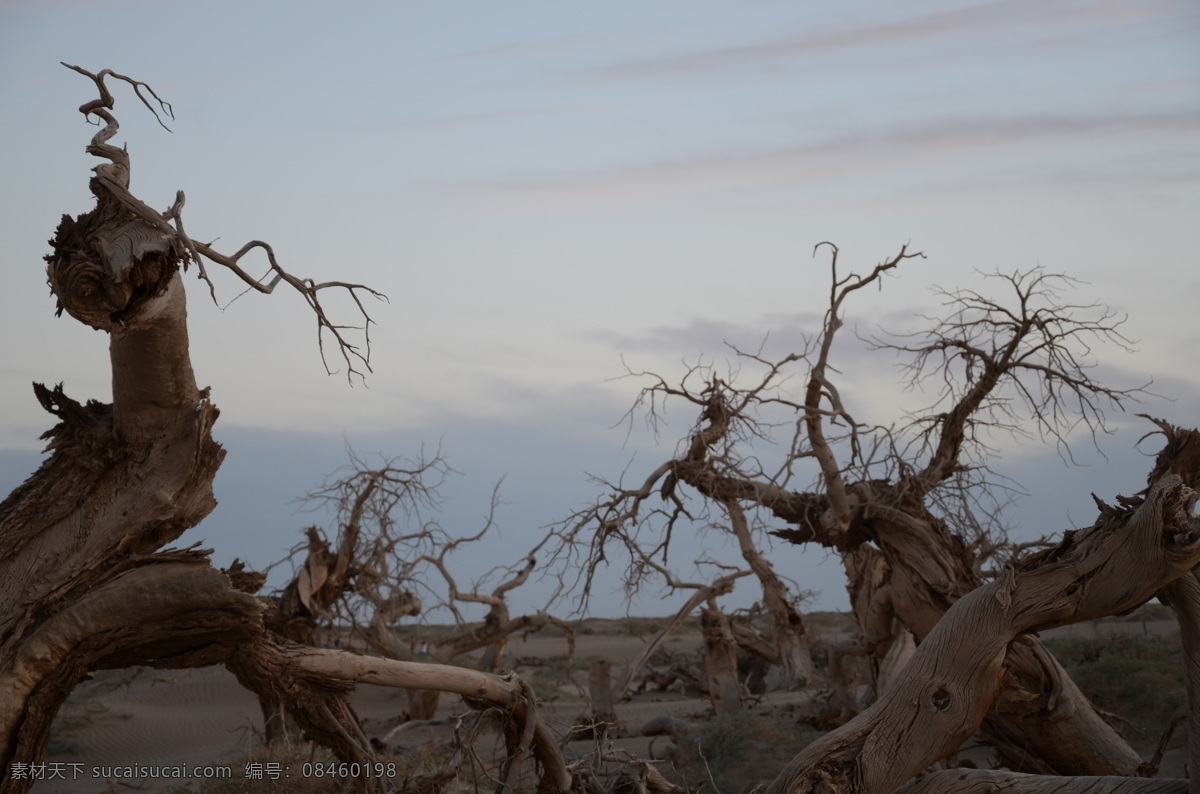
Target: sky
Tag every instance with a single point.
(553, 193)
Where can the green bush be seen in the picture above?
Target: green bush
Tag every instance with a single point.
(1136, 677)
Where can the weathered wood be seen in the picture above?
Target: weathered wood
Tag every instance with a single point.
(338, 667)
(83, 585)
(790, 635)
(721, 586)
(942, 696)
(1183, 595)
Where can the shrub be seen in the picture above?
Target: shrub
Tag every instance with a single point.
(1136, 677)
(734, 753)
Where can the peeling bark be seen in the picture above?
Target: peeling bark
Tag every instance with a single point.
(169, 610)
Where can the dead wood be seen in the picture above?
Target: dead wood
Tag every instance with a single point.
(384, 550)
(1183, 596)
(84, 585)
(701, 594)
(792, 653)
(283, 666)
(906, 508)
(600, 692)
(942, 696)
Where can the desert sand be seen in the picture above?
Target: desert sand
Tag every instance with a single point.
(203, 718)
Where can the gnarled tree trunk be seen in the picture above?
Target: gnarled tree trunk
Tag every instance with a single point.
(82, 584)
(943, 695)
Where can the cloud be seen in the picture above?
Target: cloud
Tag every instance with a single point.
(1031, 19)
(500, 116)
(707, 336)
(873, 383)
(903, 147)
(553, 45)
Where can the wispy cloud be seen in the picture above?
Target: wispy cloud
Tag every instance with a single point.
(498, 116)
(1042, 20)
(553, 45)
(875, 151)
(716, 338)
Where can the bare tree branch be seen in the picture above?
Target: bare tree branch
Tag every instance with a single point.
(1003, 367)
(820, 389)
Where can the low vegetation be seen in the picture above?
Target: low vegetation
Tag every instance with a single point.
(735, 753)
(1137, 678)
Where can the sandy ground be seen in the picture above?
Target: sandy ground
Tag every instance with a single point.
(204, 718)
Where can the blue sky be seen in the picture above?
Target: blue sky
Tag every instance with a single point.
(545, 189)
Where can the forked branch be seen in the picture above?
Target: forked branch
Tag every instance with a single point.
(821, 389)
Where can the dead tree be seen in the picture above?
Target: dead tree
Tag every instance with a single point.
(378, 510)
(720, 645)
(84, 584)
(1138, 549)
(389, 561)
(899, 505)
(793, 654)
(704, 596)
(720, 661)
(622, 521)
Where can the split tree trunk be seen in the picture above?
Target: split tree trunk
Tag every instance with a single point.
(1039, 722)
(81, 585)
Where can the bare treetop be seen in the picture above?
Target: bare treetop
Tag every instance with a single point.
(1006, 365)
(138, 229)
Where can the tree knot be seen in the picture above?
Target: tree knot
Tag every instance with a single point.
(941, 699)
